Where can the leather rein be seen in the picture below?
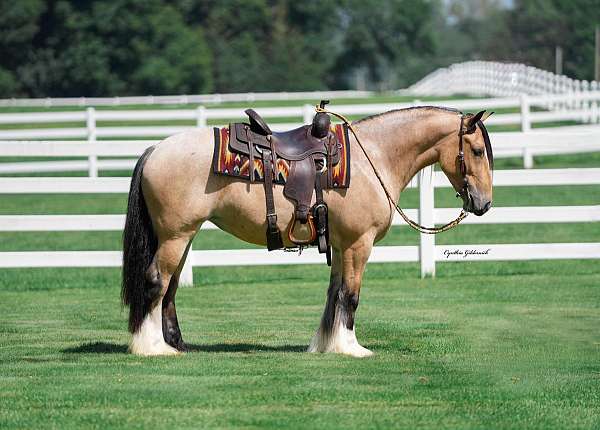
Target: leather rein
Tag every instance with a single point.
(464, 192)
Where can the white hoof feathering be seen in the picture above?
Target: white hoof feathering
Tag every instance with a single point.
(341, 340)
(148, 340)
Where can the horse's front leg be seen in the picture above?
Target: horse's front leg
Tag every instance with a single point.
(337, 330)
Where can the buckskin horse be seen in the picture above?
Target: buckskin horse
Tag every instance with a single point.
(174, 190)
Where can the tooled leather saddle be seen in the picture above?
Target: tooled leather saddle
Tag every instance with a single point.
(311, 152)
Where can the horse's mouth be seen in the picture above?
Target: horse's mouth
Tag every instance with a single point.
(483, 210)
(469, 205)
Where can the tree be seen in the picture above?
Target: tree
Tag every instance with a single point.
(101, 47)
(382, 36)
(18, 27)
(536, 27)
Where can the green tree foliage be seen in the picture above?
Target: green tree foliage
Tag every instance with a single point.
(536, 27)
(122, 47)
(387, 35)
(528, 32)
(101, 47)
(19, 24)
(110, 47)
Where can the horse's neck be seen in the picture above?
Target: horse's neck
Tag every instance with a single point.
(403, 142)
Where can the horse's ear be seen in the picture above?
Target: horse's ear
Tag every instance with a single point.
(475, 119)
(486, 116)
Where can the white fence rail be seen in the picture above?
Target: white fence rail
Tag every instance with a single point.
(567, 140)
(182, 99)
(581, 107)
(502, 178)
(499, 80)
(427, 253)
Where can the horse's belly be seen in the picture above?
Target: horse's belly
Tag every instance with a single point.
(241, 211)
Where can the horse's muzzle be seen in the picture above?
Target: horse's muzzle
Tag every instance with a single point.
(473, 203)
(486, 207)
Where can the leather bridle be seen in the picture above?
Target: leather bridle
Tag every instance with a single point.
(464, 191)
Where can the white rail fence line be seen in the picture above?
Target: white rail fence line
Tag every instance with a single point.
(427, 253)
(567, 140)
(183, 99)
(107, 185)
(498, 79)
(587, 111)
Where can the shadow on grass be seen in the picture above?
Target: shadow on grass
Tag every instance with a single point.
(97, 348)
(113, 348)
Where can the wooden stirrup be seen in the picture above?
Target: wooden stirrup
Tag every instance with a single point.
(311, 226)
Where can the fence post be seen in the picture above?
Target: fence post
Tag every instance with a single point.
(201, 116)
(91, 139)
(426, 204)
(525, 128)
(186, 277)
(307, 113)
(595, 116)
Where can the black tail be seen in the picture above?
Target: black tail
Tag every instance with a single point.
(139, 247)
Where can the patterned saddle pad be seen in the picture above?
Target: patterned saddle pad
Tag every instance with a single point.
(228, 163)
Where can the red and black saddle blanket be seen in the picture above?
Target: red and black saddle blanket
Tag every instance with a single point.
(229, 163)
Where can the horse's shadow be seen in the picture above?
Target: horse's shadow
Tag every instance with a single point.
(114, 348)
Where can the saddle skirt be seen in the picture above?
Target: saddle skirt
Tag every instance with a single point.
(231, 160)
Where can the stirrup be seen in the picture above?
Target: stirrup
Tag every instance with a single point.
(311, 225)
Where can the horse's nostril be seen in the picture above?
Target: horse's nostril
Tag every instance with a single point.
(482, 210)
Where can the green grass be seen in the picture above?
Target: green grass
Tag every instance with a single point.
(485, 345)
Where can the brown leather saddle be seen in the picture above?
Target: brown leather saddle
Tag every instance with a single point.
(311, 152)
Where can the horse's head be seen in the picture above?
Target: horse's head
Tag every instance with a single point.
(467, 160)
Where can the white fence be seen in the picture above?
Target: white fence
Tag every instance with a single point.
(563, 140)
(183, 99)
(427, 253)
(499, 80)
(582, 107)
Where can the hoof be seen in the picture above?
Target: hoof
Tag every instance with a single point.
(358, 351)
(152, 350)
(173, 338)
(182, 347)
(341, 342)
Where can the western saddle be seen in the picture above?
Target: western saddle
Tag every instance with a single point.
(311, 152)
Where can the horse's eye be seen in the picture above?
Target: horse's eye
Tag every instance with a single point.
(477, 152)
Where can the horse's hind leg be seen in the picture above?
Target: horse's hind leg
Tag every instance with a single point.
(149, 339)
(170, 325)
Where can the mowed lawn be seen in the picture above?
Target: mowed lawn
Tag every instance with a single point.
(485, 345)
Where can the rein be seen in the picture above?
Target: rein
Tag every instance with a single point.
(463, 168)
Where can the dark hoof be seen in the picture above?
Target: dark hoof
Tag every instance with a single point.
(172, 336)
(181, 346)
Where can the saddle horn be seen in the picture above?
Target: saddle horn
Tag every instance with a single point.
(321, 122)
